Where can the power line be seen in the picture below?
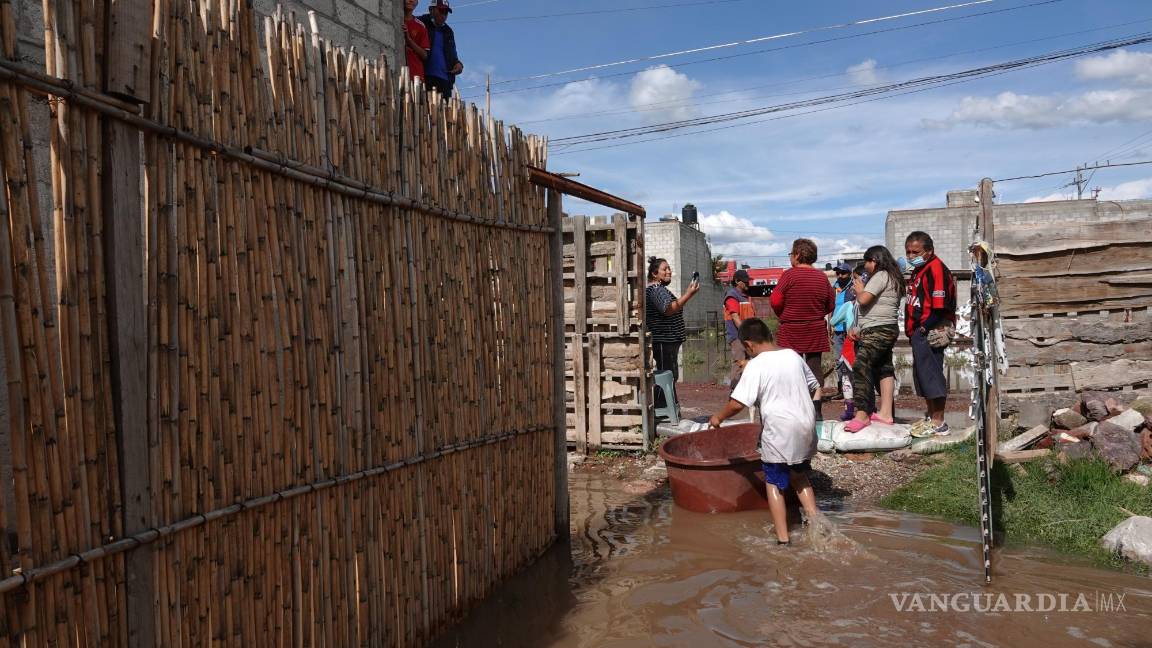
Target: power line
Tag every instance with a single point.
(760, 51)
(677, 103)
(907, 87)
(1085, 168)
(598, 11)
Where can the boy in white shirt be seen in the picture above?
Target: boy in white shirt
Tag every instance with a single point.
(780, 383)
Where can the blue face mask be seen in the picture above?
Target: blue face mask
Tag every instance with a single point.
(917, 262)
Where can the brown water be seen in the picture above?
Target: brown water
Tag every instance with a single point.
(641, 572)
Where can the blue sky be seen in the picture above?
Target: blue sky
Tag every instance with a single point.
(831, 175)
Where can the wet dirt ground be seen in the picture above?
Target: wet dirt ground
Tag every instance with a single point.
(641, 572)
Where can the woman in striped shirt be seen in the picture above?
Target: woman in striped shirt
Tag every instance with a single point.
(802, 299)
(664, 315)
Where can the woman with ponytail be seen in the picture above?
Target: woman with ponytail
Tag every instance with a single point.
(875, 335)
(664, 315)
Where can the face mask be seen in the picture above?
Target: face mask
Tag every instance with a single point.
(917, 262)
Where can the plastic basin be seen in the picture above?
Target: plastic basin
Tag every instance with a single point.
(716, 471)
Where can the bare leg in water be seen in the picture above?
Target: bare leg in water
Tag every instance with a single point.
(779, 509)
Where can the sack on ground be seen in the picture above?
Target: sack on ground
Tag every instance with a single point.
(877, 437)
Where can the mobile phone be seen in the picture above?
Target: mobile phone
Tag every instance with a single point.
(695, 276)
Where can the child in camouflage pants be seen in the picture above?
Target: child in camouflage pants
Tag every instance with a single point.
(873, 364)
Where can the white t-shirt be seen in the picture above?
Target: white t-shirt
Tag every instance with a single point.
(781, 384)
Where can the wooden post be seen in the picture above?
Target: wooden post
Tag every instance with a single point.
(620, 222)
(595, 406)
(559, 407)
(648, 420)
(127, 75)
(992, 406)
(580, 292)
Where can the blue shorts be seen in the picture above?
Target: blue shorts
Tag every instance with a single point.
(778, 474)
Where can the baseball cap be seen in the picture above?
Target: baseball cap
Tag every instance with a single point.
(843, 267)
(440, 4)
(741, 275)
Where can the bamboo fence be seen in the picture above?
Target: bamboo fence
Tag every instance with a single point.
(349, 378)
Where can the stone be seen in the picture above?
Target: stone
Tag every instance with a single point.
(1066, 419)
(1143, 405)
(1139, 480)
(1117, 446)
(905, 455)
(1146, 444)
(1128, 419)
(1095, 406)
(1070, 451)
(1114, 406)
(1084, 431)
(1132, 539)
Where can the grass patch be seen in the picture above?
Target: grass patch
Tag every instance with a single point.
(1065, 507)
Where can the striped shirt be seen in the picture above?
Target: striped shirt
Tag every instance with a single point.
(664, 328)
(802, 299)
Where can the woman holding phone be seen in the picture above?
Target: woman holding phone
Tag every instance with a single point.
(664, 314)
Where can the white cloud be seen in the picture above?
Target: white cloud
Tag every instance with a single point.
(1134, 67)
(660, 93)
(864, 73)
(736, 237)
(1009, 110)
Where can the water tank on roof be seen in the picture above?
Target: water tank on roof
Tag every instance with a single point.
(688, 214)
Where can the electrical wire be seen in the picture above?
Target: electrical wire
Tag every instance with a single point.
(894, 89)
(677, 103)
(644, 59)
(598, 11)
(1052, 173)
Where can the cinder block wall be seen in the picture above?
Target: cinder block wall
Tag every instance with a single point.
(687, 250)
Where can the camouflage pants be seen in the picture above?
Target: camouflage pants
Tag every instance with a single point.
(873, 364)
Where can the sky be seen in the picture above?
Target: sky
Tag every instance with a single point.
(831, 175)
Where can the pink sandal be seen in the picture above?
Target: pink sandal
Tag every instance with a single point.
(879, 419)
(855, 425)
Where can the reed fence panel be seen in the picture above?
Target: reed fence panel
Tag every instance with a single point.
(349, 408)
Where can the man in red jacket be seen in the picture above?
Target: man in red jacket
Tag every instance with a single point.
(931, 307)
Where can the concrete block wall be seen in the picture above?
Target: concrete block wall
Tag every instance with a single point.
(687, 250)
(951, 227)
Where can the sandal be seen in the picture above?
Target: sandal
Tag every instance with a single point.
(855, 425)
(876, 418)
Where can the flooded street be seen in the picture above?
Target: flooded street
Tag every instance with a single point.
(642, 572)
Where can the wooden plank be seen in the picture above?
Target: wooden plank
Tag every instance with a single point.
(1050, 382)
(596, 227)
(1075, 289)
(601, 311)
(621, 437)
(1110, 375)
(1042, 308)
(1021, 456)
(1113, 258)
(621, 261)
(600, 275)
(128, 55)
(596, 248)
(580, 315)
(613, 421)
(1090, 329)
(127, 74)
(1022, 353)
(580, 399)
(595, 413)
(1023, 440)
(1019, 240)
(559, 390)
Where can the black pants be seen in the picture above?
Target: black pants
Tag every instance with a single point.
(666, 360)
(443, 86)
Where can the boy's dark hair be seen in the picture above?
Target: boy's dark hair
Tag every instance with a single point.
(923, 238)
(754, 331)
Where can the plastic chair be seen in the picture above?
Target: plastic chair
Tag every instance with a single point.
(667, 384)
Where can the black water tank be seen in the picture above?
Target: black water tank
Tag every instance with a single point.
(688, 214)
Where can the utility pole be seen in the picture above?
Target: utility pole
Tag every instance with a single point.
(488, 95)
(1079, 182)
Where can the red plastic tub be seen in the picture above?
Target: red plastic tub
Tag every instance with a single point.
(716, 471)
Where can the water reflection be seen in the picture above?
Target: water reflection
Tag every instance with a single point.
(639, 571)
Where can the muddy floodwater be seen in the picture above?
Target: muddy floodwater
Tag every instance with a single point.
(641, 572)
